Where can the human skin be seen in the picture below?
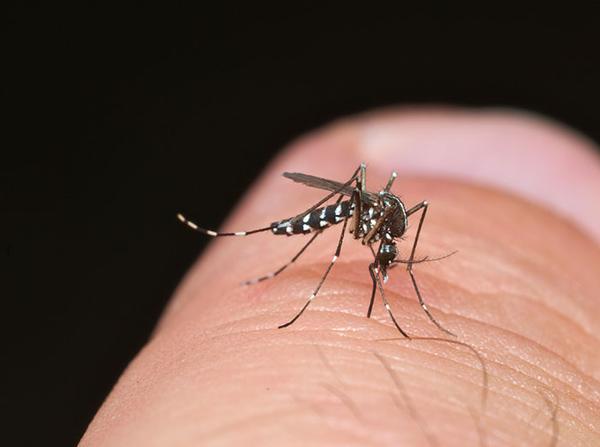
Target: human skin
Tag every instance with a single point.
(515, 195)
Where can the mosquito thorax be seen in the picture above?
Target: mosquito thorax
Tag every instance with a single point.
(399, 220)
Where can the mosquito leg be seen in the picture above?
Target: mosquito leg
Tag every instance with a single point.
(374, 271)
(373, 251)
(316, 291)
(372, 301)
(363, 178)
(294, 259)
(409, 266)
(283, 267)
(212, 233)
(390, 181)
(424, 305)
(361, 187)
(374, 289)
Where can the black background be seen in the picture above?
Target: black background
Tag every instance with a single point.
(120, 116)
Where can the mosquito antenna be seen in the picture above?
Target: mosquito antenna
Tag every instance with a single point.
(425, 259)
(212, 233)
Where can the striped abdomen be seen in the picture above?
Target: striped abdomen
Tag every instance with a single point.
(317, 220)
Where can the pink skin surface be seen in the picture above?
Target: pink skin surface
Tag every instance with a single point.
(511, 192)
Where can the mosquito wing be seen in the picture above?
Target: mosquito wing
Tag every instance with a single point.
(328, 185)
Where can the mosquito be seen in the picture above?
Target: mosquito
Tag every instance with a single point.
(377, 219)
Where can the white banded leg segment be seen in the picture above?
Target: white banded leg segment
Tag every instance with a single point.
(212, 233)
(423, 206)
(189, 223)
(257, 280)
(374, 271)
(424, 305)
(391, 181)
(283, 267)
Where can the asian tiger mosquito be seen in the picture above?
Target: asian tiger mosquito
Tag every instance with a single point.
(376, 217)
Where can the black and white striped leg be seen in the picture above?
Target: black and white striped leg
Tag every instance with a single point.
(324, 277)
(421, 206)
(374, 289)
(282, 268)
(390, 181)
(212, 233)
(374, 271)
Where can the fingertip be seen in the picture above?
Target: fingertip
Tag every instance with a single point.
(219, 348)
(513, 150)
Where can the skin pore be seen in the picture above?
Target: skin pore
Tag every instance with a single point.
(522, 292)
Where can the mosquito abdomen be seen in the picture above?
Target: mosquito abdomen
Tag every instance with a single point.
(316, 220)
